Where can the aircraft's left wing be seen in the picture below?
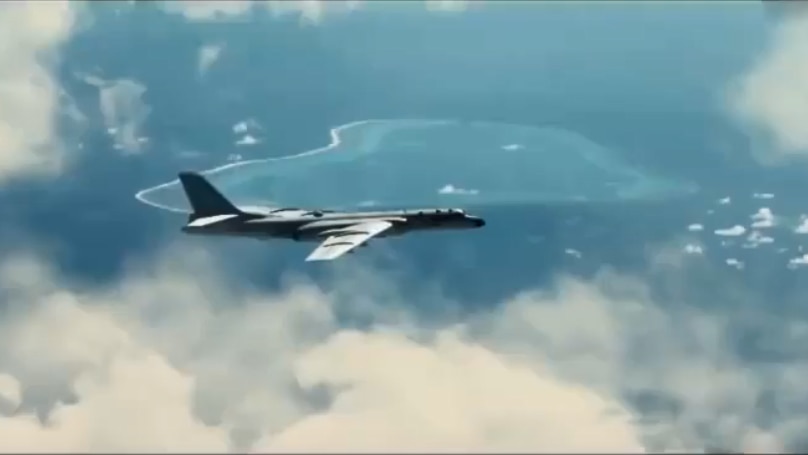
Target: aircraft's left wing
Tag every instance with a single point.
(343, 240)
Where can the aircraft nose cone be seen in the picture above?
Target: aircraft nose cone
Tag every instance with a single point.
(479, 222)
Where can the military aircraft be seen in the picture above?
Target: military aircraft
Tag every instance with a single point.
(339, 232)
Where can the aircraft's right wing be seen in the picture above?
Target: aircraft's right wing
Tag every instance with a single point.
(345, 239)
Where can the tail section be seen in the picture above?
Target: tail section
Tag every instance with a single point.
(205, 200)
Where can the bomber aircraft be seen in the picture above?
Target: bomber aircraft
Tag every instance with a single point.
(339, 232)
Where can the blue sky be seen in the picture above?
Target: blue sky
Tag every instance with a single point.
(610, 327)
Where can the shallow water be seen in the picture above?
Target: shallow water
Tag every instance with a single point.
(436, 163)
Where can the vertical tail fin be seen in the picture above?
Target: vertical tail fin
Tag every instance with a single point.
(204, 198)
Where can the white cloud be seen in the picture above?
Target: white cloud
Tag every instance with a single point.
(173, 359)
(451, 189)
(240, 127)
(207, 10)
(208, 55)
(247, 140)
(799, 261)
(691, 248)
(10, 394)
(125, 112)
(420, 397)
(573, 252)
(755, 239)
(763, 196)
(763, 218)
(725, 201)
(159, 351)
(733, 262)
(772, 96)
(29, 92)
(695, 227)
(733, 231)
(311, 11)
(802, 228)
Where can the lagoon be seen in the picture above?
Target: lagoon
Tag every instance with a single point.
(419, 162)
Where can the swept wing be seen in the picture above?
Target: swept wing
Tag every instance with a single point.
(345, 239)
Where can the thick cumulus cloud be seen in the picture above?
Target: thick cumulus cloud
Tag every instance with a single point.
(772, 96)
(173, 358)
(29, 94)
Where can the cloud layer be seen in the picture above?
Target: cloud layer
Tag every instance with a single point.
(173, 358)
(153, 357)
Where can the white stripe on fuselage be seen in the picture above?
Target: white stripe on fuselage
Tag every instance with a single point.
(208, 220)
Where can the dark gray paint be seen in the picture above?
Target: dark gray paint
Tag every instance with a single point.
(214, 215)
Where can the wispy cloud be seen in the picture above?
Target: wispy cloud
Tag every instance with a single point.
(208, 55)
(125, 112)
(451, 189)
(208, 10)
(733, 231)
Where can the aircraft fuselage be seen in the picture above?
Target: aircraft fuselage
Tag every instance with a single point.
(338, 232)
(313, 227)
